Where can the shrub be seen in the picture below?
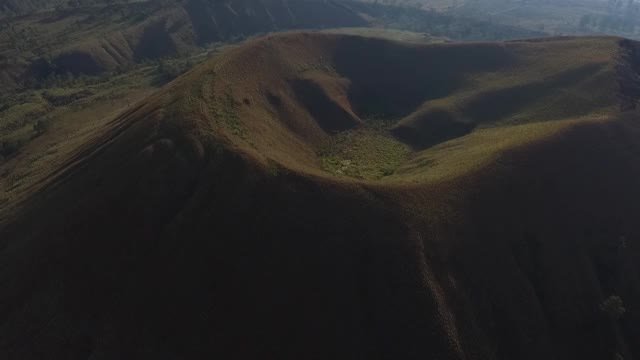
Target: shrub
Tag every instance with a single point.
(41, 126)
(614, 306)
(168, 70)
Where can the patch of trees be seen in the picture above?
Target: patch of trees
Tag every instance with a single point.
(23, 38)
(62, 100)
(45, 73)
(167, 70)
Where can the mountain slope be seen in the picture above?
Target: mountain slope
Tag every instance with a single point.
(94, 38)
(104, 38)
(203, 222)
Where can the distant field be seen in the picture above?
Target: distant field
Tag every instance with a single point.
(560, 17)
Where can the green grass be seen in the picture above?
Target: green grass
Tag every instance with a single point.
(371, 153)
(545, 81)
(476, 151)
(228, 113)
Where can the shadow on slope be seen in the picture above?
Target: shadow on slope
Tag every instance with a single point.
(390, 78)
(197, 251)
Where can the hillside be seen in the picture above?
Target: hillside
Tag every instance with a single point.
(59, 55)
(333, 196)
(92, 38)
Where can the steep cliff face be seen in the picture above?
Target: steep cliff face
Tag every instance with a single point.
(204, 223)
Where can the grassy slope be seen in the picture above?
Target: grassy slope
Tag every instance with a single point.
(209, 201)
(542, 72)
(69, 111)
(67, 128)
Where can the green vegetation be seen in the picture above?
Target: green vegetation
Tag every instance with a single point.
(168, 70)
(32, 112)
(474, 152)
(41, 126)
(228, 113)
(203, 95)
(368, 152)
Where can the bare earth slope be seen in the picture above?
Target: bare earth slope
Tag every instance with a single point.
(209, 221)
